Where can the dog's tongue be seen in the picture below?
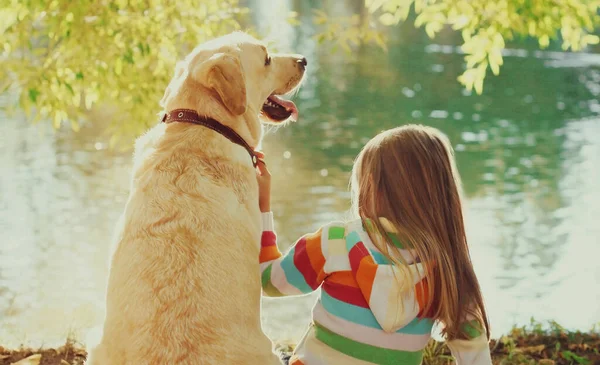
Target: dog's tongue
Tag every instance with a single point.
(288, 105)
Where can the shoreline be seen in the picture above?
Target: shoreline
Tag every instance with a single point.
(532, 344)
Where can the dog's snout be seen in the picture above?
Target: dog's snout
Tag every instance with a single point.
(302, 62)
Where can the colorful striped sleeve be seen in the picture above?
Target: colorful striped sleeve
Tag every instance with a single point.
(388, 289)
(474, 350)
(299, 271)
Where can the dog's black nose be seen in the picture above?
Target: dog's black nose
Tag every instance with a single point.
(302, 62)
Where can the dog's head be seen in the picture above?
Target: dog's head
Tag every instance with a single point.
(235, 80)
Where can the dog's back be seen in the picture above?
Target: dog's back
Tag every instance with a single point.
(184, 285)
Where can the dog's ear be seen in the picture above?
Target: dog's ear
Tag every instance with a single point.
(179, 69)
(223, 73)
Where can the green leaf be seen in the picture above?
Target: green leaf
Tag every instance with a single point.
(320, 38)
(387, 19)
(432, 28)
(478, 85)
(568, 355)
(345, 46)
(422, 19)
(128, 57)
(57, 120)
(5, 88)
(74, 125)
(118, 66)
(495, 68)
(495, 60)
(374, 5)
(498, 41)
(113, 140)
(404, 11)
(89, 100)
(69, 87)
(460, 22)
(591, 39)
(33, 94)
(379, 40)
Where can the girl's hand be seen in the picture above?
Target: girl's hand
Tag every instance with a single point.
(263, 176)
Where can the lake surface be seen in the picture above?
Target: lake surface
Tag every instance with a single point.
(528, 151)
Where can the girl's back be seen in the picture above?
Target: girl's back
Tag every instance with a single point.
(386, 277)
(365, 313)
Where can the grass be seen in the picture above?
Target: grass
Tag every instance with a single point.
(533, 344)
(536, 343)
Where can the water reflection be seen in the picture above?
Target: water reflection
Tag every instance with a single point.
(59, 202)
(512, 151)
(528, 151)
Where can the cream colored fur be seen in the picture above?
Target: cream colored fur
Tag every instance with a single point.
(184, 284)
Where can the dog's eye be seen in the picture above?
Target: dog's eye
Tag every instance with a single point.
(267, 61)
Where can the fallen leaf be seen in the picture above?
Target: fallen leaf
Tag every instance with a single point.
(577, 346)
(531, 349)
(31, 360)
(546, 362)
(63, 362)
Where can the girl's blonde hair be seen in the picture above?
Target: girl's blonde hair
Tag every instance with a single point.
(408, 176)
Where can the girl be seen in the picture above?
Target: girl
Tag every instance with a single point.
(386, 277)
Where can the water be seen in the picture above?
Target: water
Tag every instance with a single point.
(528, 151)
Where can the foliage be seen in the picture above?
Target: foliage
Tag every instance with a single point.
(347, 31)
(527, 345)
(535, 343)
(485, 25)
(66, 56)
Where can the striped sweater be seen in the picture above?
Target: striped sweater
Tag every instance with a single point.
(365, 313)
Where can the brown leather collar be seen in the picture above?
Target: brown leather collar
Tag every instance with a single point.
(190, 116)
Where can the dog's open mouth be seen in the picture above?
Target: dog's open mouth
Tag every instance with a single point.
(277, 109)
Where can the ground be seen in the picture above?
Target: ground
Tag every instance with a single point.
(532, 344)
(69, 354)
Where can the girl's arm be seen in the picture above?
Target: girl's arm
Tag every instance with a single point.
(299, 271)
(474, 349)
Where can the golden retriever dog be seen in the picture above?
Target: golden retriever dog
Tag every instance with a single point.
(184, 284)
